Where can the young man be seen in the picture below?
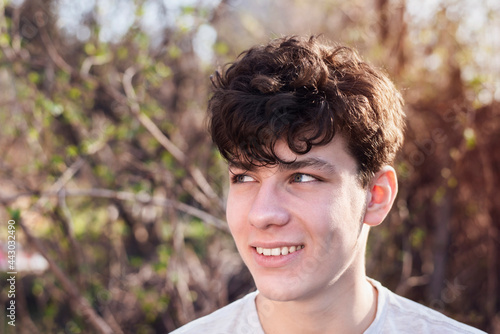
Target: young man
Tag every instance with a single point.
(310, 132)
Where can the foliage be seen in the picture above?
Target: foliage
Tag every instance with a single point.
(108, 171)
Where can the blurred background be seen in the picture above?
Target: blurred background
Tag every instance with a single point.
(118, 194)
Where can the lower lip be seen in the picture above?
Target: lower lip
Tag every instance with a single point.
(275, 261)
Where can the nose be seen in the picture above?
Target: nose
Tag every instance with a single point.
(269, 207)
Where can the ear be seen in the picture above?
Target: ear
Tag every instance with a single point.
(382, 192)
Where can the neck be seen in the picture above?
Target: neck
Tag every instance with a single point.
(349, 307)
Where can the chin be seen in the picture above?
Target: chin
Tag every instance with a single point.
(278, 295)
(279, 289)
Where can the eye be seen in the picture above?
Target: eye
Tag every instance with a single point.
(242, 178)
(301, 178)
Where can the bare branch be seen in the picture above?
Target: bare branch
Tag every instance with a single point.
(62, 180)
(195, 173)
(77, 300)
(4, 45)
(128, 196)
(91, 61)
(47, 41)
(146, 121)
(67, 221)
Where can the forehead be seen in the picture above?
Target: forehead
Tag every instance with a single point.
(328, 157)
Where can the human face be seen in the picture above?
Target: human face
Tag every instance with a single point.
(310, 212)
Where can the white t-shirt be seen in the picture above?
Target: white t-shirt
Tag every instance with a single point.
(395, 314)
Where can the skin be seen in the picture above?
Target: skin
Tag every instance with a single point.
(316, 202)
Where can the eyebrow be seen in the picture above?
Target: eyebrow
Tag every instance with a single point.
(312, 162)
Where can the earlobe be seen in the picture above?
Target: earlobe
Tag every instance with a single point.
(382, 192)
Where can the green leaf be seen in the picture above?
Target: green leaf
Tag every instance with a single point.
(15, 214)
(186, 10)
(470, 138)
(174, 52)
(34, 77)
(221, 48)
(74, 93)
(417, 237)
(162, 70)
(439, 195)
(72, 151)
(4, 39)
(90, 49)
(122, 53)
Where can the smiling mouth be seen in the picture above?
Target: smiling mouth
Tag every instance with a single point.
(278, 250)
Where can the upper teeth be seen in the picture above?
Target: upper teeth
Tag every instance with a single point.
(278, 250)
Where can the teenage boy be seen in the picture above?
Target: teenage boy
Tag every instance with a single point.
(310, 132)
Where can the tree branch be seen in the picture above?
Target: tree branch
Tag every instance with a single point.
(127, 196)
(47, 41)
(77, 300)
(62, 180)
(195, 173)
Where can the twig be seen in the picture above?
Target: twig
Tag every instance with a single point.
(128, 196)
(77, 300)
(91, 61)
(195, 173)
(62, 180)
(4, 46)
(146, 121)
(166, 143)
(47, 41)
(67, 221)
(23, 310)
(110, 318)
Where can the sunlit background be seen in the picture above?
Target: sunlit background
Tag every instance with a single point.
(118, 194)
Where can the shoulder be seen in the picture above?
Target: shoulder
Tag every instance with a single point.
(237, 317)
(396, 314)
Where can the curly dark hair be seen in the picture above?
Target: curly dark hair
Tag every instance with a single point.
(304, 91)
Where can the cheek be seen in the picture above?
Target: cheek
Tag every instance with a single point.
(337, 219)
(324, 219)
(234, 213)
